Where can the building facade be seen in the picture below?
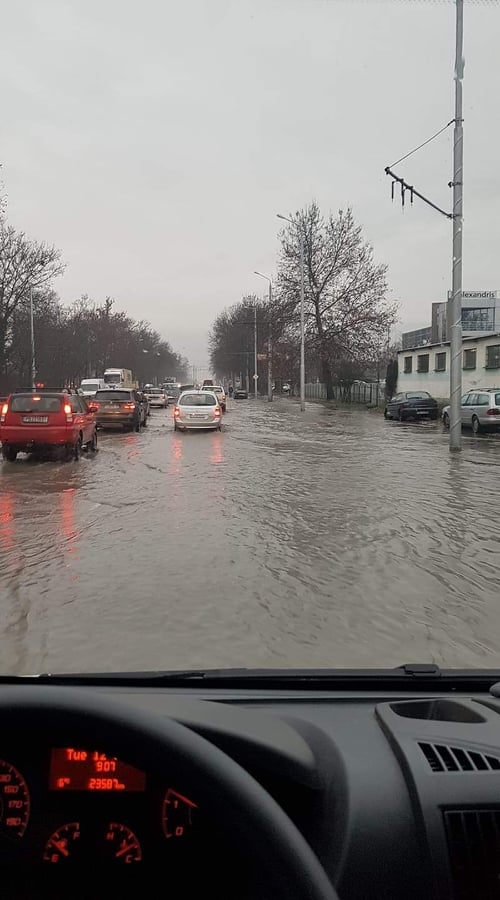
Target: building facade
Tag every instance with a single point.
(480, 314)
(428, 368)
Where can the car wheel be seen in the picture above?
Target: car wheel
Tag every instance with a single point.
(446, 420)
(74, 450)
(476, 426)
(9, 454)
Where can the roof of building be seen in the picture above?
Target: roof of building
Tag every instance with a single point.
(478, 337)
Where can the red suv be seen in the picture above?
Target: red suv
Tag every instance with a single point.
(34, 422)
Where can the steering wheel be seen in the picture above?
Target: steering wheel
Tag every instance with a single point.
(236, 803)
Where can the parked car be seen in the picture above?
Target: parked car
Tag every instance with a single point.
(240, 394)
(38, 422)
(156, 397)
(480, 410)
(119, 408)
(219, 391)
(411, 405)
(197, 410)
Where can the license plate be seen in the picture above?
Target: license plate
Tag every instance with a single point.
(38, 420)
(197, 416)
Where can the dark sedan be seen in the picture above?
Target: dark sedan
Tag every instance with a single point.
(411, 405)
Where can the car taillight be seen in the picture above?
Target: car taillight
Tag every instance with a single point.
(128, 406)
(493, 411)
(69, 412)
(177, 411)
(5, 408)
(217, 411)
(93, 405)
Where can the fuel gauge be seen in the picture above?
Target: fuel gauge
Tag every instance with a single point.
(64, 844)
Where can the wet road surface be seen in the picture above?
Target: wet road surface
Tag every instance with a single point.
(331, 538)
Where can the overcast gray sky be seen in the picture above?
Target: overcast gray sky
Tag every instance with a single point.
(155, 141)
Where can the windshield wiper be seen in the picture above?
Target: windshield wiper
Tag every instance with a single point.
(407, 677)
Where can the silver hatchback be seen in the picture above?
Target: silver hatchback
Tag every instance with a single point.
(480, 410)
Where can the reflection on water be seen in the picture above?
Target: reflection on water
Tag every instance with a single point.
(331, 538)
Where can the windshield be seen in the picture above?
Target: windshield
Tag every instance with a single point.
(265, 200)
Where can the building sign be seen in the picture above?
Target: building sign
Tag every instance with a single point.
(481, 296)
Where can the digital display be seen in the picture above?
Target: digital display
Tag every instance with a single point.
(88, 770)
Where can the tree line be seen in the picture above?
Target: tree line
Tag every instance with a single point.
(347, 312)
(71, 342)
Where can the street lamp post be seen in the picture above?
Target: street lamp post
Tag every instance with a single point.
(269, 341)
(302, 323)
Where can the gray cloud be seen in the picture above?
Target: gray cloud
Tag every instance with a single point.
(155, 142)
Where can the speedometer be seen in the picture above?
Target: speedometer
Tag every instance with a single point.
(14, 801)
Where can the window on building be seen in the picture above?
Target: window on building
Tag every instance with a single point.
(423, 362)
(440, 362)
(408, 365)
(474, 319)
(493, 356)
(470, 359)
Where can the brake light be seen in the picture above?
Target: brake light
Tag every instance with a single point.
(177, 411)
(128, 406)
(5, 408)
(93, 405)
(67, 408)
(493, 412)
(217, 411)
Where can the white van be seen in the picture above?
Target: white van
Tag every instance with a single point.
(89, 386)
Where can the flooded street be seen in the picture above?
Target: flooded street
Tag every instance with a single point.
(332, 538)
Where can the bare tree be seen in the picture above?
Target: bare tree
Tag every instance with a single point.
(24, 265)
(346, 310)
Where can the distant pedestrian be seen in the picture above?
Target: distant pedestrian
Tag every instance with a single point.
(231, 390)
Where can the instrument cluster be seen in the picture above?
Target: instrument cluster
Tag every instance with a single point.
(76, 806)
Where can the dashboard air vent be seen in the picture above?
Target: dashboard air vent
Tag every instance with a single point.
(455, 759)
(474, 845)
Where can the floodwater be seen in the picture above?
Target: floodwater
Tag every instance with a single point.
(328, 538)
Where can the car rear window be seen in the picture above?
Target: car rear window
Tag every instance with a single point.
(154, 391)
(198, 400)
(35, 403)
(113, 395)
(89, 386)
(417, 395)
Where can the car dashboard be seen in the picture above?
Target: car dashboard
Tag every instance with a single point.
(397, 793)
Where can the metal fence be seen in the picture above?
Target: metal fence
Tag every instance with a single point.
(359, 392)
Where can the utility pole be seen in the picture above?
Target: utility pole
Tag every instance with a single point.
(32, 343)
(255, 374)
(269, 339)
(302, 328)
(454, 304)
(456, 299)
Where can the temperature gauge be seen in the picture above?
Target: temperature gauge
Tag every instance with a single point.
(121, 844)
